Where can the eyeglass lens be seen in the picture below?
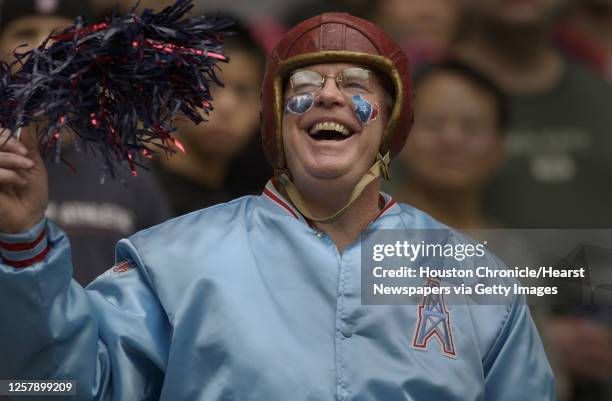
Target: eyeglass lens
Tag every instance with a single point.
(351, 80)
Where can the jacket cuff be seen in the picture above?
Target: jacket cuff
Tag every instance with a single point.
(25, 249)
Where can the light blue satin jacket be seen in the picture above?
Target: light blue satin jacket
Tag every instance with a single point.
(246, 301)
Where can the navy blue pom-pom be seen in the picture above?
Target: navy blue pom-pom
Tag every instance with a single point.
(117, 85)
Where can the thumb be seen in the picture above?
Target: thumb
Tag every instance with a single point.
(27, 136)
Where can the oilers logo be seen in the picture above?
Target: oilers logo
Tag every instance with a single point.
(434, 321)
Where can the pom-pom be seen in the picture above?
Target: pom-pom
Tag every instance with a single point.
(118, 85)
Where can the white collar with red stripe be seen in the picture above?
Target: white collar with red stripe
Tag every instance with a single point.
(274, 197)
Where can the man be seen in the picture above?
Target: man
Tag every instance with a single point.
(254, 299)
(558, 168)
(424, 29)
(94, 216)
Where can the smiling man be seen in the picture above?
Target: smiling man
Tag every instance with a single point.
(259, 298)
(332, 132)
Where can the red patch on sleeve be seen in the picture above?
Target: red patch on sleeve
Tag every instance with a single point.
(122, 267)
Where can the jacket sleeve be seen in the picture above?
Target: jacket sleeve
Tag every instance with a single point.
(112, 338)
(516, 367)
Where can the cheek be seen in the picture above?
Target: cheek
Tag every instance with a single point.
(492, 153)
(247, 124)
(366, 111)
(289, 133)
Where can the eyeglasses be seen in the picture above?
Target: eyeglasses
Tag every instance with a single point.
(352, 80)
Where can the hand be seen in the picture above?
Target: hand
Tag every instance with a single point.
(583, 347)
(24, 190)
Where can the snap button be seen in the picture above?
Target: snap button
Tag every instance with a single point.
(346, 331)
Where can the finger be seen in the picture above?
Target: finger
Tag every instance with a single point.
(11, 144)
(10, 177)
(25, 136)
(13, 161)
(28, 138)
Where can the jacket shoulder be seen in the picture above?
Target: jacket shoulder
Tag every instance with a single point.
(213, 221)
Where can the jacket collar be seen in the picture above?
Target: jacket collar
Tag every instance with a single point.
(276, 200)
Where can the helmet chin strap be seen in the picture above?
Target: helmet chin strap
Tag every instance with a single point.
(380, 167)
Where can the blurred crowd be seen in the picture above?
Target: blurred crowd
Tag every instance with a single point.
(513, 129)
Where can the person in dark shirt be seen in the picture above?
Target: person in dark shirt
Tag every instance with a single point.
(558, 167)
(224, 157)
(424, 29)
(94, 216)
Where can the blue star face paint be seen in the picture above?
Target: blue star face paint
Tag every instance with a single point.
(299, 104)
(366, 111)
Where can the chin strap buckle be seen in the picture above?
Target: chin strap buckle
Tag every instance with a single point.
(283, 179)
(383, 162)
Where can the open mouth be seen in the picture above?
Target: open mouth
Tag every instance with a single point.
(329, 131)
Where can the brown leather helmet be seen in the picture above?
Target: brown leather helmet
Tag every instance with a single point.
(335, 37)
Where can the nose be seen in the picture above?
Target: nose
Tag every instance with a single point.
(330, 95)
(452, 133)
(225, 100)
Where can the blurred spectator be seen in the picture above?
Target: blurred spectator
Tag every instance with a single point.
(94, 216)
(360, 8)
(586, 34)
(269, 29)
(582, 349)
(424, 28)
(455, 146)
(101, 7)
(558, 169)
(246, 10)
(224, 157)
(30, 22)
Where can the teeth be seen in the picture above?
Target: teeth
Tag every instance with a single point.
(330, 126)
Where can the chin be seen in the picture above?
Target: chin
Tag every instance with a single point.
(327, 172)
(338, 176)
